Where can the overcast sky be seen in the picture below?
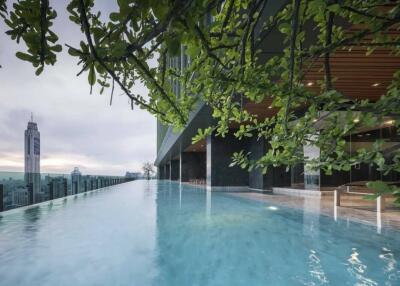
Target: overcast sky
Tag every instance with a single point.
(76, 128)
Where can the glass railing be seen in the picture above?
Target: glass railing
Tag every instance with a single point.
(18, 189)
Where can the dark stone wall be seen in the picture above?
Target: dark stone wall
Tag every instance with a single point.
(167, 172)
(275, 176)
(297, 175)
(193, 166)
(219, 156)
(175, 170)
(336, 179)
(257, 149)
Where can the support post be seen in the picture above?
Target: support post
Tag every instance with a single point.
(380, 204)
(337, 198)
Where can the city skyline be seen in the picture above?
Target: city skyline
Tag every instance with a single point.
(81, 129)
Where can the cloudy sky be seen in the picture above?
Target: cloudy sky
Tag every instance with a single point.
(76, 128)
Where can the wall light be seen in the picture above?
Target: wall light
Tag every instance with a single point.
(310, 83)
(376, 84)
(270, 107)
(356, 120)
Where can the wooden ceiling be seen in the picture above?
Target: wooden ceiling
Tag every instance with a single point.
(200, 146)
(356, 75)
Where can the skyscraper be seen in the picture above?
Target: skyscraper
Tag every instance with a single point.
(32, 160)
(76, 180)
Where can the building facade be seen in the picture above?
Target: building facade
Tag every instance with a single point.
(207, 162)
(76, 178)
(32, 160)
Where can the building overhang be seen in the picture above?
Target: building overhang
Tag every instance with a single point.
(176, 142)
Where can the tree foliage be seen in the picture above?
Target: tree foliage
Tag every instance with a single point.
(227, 67)
(148, 170)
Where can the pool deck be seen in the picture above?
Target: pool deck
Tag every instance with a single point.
(353, 208)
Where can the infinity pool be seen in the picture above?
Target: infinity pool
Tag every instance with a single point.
(161, 233)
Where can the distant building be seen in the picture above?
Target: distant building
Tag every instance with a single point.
(32, 159)
(76, 177)
(19, 197)
(57, 186)
(133, 175)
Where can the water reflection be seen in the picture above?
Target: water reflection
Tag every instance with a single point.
(358, 270)
(31, 217)
(390, 267)
(316, 270)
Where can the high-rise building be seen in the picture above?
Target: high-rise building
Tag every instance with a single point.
(75, 180)
(32, 160)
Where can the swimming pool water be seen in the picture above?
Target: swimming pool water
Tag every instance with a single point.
(163, 233)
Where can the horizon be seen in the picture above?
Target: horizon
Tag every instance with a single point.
(78, 129)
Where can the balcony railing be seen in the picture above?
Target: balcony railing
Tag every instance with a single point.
(18, 189)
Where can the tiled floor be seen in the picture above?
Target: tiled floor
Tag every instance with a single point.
(352, 208)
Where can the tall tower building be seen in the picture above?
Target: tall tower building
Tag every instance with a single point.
(32, 160)
(76, 180)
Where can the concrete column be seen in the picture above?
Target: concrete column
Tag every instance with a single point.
(167, 171)
(175, 170)
(160, 172)
(193, 166)
(256, 177)
(274, 177)
(219, 157)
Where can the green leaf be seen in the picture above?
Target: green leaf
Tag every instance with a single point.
(92, 75)
(118, 50)
(174, 45)
(334, 8)
(114, 17)
(39, 70)
(57, 48)
(379, 186)
(284, 28)
(25, 57)
(73, 52)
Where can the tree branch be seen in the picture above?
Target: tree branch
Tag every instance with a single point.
(295, 20)
(86, 29)
(328, 41)
(44, 5)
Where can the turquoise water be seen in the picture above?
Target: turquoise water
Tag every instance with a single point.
(158, 233)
